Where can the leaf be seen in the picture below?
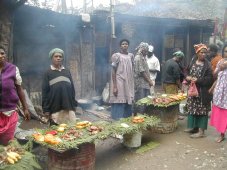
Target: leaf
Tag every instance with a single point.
(109, 129)
(146, 147)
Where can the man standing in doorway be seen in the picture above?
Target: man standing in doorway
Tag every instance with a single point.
(153, 65)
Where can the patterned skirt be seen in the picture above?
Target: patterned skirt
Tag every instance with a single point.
(196, 107)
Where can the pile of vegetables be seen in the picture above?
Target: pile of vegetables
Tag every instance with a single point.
(72, 136)
(16, 157)
(89, 132)
(133, 124)
(163, 100)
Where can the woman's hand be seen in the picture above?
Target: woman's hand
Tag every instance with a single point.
(189, 78)
(150, 83)
(194, 79)
(211, 90)
(115, 91)
(27, 115)
(223, 66)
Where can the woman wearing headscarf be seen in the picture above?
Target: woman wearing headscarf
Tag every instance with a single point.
(172, 72)
(11, 91)
(142, 75)
(58, 93)
(200, 72)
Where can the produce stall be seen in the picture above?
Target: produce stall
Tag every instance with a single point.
(17, 157)
(72, 146)
(131, 128)
(166, 108)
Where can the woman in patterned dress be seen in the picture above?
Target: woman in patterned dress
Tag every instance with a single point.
(198, 107)
(219, 108)
(122, 82)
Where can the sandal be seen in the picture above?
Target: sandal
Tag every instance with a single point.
(188, 130)
(194, 130)
(198, 135)
(180, 117)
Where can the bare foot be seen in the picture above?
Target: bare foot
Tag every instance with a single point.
(220, 139)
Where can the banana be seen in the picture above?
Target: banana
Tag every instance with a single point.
(15, 155)
(61, 129)
(10, 160)
(12, 156)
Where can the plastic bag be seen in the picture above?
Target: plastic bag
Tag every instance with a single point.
(106, 93)
(192, 91)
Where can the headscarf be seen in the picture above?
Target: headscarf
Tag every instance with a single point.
(151, 48)
(199, 47)
(178, 54)
(142, 46)
(56, 50)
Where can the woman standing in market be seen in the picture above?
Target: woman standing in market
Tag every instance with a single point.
(142, 79)
(11, 91)
(219, 108)
(198, 107)
(172, 73)
(122, 82)
(58, 93)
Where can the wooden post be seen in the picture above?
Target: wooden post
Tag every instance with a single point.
(188, 46)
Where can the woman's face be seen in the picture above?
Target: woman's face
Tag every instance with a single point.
(202, 54)
(2, 55)
(144, 51)
(225, 52)
(124, 45)
(57, 59)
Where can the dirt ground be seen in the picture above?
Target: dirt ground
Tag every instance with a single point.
(176, 151)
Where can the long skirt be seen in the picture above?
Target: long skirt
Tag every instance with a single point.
(7, 127)
(218, 119)
(139, 94)
(120, 110)
(197, 121)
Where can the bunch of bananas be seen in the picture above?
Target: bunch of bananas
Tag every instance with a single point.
(12, 157)
(83, 124)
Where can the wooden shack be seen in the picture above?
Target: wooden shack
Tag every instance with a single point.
(37, 31)
(7, 8)
(33, 32)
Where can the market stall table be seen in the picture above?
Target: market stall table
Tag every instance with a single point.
(166, 108)
(75, 159)
(71, 146)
